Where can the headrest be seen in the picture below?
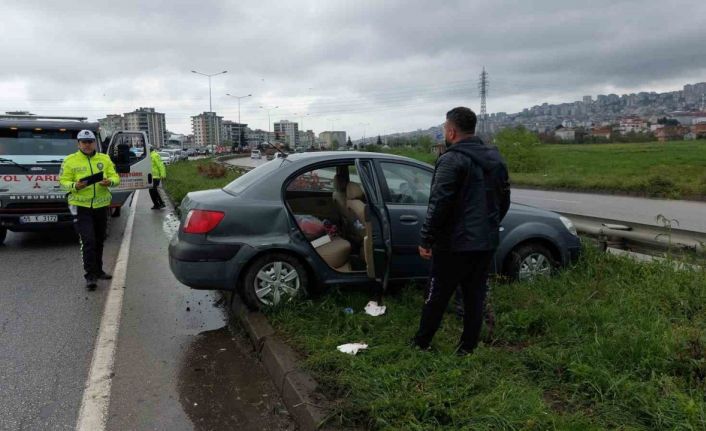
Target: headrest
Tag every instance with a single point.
(354, 191)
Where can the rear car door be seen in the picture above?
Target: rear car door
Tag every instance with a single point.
(135, 172)
(381, 243)
(405, 188)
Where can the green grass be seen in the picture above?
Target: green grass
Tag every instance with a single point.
(184, 177)
(675, 170)
(608, 344)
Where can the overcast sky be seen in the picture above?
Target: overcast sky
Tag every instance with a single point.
(371, 67)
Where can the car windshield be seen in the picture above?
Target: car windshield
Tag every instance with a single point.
(28, 142)
(250, 178)
(164, 154)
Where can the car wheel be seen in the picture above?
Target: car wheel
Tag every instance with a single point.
(274, 279)
(530, 261)
(3, 234)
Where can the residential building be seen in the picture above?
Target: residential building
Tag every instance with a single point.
(632, 124)
(112, 123)
(671, 133)
(307, 139)
(699, 130)
(287, 132)
(149, 121)
(234, 133)
(565, 134)
(207, 129)
(259, 137)
(604, 132)
(332, 140)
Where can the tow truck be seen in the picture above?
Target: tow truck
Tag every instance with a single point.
(32, 149)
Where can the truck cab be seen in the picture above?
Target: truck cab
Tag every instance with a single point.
(32, 149)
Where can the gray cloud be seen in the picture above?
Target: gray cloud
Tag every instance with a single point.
(366, 65)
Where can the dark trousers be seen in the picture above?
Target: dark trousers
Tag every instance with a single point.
(154, 193)
(469, 270)
(91, 225)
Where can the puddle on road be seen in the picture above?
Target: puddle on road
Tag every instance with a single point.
(170, 225)
(222, 387)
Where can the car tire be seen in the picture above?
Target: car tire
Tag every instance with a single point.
(261, 288)
(529, 261)
(3, 234)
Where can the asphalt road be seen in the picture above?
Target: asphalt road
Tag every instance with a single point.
(689, 214)
(177, 364)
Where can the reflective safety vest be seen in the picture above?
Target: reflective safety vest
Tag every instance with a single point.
(158, 168)
(77, 166)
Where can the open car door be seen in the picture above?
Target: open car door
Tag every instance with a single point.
(130, 153)
(377, 242)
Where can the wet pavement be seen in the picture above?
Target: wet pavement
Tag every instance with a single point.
(177, 364)
(178, 367)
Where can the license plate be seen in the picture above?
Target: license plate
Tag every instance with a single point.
(52, 218)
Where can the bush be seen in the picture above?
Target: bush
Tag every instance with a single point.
(212, 170)
(520, 148)
(658, 186)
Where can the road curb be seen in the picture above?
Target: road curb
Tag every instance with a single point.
(298, 389)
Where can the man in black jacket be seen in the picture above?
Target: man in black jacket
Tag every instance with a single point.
(470, 195)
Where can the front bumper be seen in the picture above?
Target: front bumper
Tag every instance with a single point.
(11, 221)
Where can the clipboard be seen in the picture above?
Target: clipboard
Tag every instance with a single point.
(92, 179)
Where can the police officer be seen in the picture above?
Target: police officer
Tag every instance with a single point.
(89, 202)
(159, 172)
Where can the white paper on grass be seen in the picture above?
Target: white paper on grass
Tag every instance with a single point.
(352, 348)
(374, 309)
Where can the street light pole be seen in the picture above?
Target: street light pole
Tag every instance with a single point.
(210, 105)
(240, 125)
(269, 120)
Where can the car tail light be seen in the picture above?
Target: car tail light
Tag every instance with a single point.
(202, 221)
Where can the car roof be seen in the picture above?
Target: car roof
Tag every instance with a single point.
(324, 156)
(48, 124)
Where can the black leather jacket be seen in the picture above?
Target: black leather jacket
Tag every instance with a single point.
(470, 195)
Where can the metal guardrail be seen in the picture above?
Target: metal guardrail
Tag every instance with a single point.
(638, 237)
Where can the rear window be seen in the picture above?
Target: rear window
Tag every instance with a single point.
(30, 142)
(243, 182)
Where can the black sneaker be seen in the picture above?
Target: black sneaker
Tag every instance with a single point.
(104, 276)
(156, 207)
(91, 284)
(463, 351)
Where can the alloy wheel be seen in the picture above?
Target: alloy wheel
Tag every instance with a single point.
(277, 282)
(535, 265)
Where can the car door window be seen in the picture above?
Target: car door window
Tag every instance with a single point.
(407, 184)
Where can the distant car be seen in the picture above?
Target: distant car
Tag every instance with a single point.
(270, 156)
(266, 234)
(279, 155)
(255, 154)
(166, 157)
(190, 152)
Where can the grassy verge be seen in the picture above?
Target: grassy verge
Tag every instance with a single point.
(675, 170)
(608, 344)
(184, 177)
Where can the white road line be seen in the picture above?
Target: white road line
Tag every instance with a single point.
(93, 413)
